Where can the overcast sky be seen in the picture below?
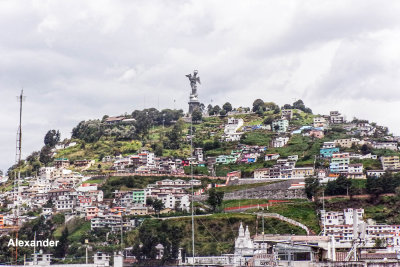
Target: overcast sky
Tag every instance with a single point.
(78, 60)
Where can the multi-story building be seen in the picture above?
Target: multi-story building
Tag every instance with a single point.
(328, 152)
(329, 144)
(61, 163)
(139, 196)
(336, 118)
(385, 145)
(390, 162)
(287, 114)
(355, 171)
(347, 142)
(66, 202)
(339, 163)
(112, 221)
(342, 226)
(302, 172)
(320, 122)
(146, 158)
(279, 141)
(375, 173)
(280, 126)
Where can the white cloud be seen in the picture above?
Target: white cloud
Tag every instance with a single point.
(80, 60)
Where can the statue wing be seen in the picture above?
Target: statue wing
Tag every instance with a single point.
(198, 79)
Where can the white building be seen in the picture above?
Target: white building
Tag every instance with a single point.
(385, 145)
(231, 133)
(320, 122)
(244, 246)
(279, 141)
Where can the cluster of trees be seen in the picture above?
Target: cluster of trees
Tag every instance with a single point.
(376, 186)
(157, 204)
(387, 183)
(91, 130)
(259, 107)
(152, 233)
(217, 110)
(215, 199)
(299, 104)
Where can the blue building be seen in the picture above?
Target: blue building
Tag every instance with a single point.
(328, 152)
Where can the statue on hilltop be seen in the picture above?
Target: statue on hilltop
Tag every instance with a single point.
(193, 81)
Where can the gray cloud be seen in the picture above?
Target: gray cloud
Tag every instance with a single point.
(80, 60)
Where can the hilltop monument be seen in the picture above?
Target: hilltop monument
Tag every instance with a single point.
(193, 100)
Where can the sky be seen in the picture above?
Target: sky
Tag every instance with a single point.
(80, 60)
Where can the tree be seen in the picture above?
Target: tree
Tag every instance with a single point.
(257, 104)
(158, 205)
(175, 136)
(62, 247)
(216, 110)
(365, 149)
(197, 115)
(260, 111)
(222, 112)
(311, 186)
(210, 109)
(340, 186)
(52, 137)
(215, 198)
(45, 155)
(268, 120)
(287, 106)
(227, 107)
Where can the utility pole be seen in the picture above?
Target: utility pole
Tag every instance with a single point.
(191, 174)
(18, 153)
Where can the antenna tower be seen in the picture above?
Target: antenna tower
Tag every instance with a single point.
(18, 154)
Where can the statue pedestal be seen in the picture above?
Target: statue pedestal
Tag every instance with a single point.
(194, 103)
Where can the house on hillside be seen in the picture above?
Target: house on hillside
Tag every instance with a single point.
(328, 152)
(280, 126)
(279, 141)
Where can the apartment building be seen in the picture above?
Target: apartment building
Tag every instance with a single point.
(390, 162)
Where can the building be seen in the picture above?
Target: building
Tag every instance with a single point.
(65, 202)
(112, 221)
(302, 172)
(280, 126)
(329, 145)
(343, 226)
(328, 152)
(348, 142)
(375, 173)
(244, 247)
(287, 114)
(61, 163)
(231, 133)
(114, 120)
(320, 122)
(279, 141)
(271, 157)
(336, 118)
(199, 154)
(390, 162)
(139, 196)
(339, 163)
(316, 133)
(226, 159)
(85, 163)
(355, 171)
(385, 145)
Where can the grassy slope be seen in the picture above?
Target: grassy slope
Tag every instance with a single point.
(301, 211)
